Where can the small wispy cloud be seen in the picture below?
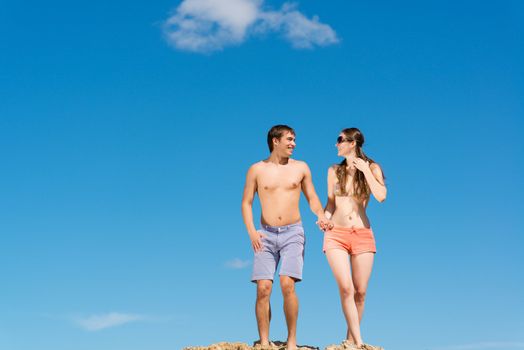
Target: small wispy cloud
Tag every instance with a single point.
(103, 321)
(237, 264)
(484, 345)
(210, 25)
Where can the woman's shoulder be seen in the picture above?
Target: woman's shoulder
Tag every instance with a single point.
(375, 167)
(333, 168)
(376, 170)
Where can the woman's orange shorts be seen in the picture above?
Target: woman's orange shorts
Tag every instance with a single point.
(352, 240)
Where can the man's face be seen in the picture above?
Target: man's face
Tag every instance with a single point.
(286, 144)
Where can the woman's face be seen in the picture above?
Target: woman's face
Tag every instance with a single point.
(344, 145)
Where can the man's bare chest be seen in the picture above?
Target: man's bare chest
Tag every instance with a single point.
(277, 180)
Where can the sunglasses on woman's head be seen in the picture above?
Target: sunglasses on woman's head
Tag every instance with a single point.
(341, 139)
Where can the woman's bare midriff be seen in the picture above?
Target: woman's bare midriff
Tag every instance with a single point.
(350, 213)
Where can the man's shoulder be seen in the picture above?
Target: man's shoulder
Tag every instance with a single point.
(297, 163)
(256, 165)
(265, 163)
(259, 166)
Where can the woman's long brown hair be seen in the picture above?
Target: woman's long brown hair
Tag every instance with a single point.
(360, 186)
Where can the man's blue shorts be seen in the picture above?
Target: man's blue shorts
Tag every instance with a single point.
(281, 243)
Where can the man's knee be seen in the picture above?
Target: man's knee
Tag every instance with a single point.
(288, 286)
(264, 289)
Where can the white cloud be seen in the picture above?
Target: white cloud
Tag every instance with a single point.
(98, 322)
(298, 29)
(210, 25)
(485, 345)
(237, 264)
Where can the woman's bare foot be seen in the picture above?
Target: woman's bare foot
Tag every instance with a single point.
(370, 347)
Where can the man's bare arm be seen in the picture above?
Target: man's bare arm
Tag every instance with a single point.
(312, 198)
(247, 208)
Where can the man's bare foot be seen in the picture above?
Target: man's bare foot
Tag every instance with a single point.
(263, 344)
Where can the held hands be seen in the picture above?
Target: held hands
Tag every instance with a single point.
(256, 241)
(324, 224)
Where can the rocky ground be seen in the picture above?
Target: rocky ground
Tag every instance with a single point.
(243, 346)
(346, 345)
(279, 346)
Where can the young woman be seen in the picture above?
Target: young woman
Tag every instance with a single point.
(350, 245)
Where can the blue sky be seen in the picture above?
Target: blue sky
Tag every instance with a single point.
(124, 152)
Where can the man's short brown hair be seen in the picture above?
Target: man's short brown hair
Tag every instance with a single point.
(276, 132)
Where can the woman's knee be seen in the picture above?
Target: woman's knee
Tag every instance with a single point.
(347, 291)
(360, 296)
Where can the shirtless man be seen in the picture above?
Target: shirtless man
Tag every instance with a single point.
(279, 181)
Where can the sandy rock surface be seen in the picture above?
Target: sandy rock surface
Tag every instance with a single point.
(222, 346)
(243, 346)
(345, 345)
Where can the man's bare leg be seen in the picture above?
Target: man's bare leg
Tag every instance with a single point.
(263, 310)
(290, 310)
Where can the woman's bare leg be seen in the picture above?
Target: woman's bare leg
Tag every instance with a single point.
(339, 262)
(361, 266)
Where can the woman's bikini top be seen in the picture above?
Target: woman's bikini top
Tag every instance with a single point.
(338, 191)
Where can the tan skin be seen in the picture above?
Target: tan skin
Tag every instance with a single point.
(352, 273)
(278, 180)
